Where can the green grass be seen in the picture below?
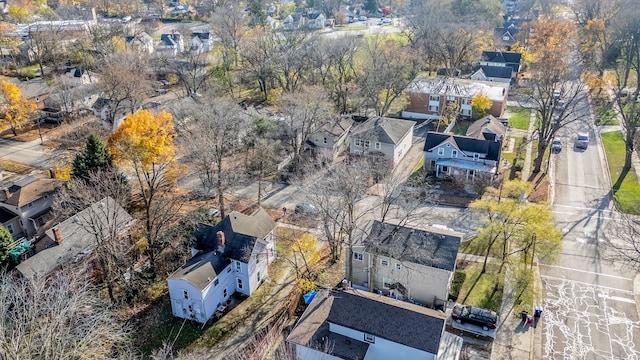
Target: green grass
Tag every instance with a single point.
(519, 117)
(606, 115)
(349, 28)
(524, 291)
(482, 290)
(512, 155)
(626, 190)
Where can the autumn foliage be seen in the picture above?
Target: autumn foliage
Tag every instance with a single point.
(14, 109)
(480, 105)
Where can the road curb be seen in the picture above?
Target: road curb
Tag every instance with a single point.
(636, 292)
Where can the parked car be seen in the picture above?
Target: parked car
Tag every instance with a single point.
(362, 18)
(484, 318)
(582, 142)
(557, 94)
(556, 145)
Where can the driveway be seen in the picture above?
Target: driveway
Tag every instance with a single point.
(29, 153)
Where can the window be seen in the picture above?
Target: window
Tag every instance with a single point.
(505, 38)
(386, 283)
(369, 338)
(384, 262)
(434, 108)
(185, 293)
(239, 283)
(357, 256)
(190, 308)
(440, 151)
(445, 169)
(324, 140)
(433, 164)
(476, 156)
(257, 258)
(216, 282)
(258, 276)
(357, 142)
(46, 197)
(367, 143)
(454, 153)
(10, 228)
(229, 269)
(451, 98)
(398, 267)
(378, 146)
(30, 205)
(434, 98)
(224, 292)
(238, 266)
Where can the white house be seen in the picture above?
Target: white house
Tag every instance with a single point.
(353, 324)
(142, 42)
(232, 256)
(386, 137)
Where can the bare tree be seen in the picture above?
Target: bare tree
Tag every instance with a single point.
(57, 318)
(335, 65)
(258, 58)
(291, 59)
(97, 205)
(230, 25)
(305, 111)
(262, 160)
(211, 131)
(387, 70)
(125, 83)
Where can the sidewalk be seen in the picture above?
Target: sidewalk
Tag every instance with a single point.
(516, 340)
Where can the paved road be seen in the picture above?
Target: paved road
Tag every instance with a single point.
(590, 310)
(29, 153)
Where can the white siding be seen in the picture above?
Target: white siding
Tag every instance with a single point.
(415, 115)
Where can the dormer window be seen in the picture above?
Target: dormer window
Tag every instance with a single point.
(476, 157)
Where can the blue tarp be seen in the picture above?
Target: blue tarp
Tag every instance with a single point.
(18, 250)
(308, 297)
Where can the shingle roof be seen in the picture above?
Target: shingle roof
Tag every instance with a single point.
(6, 215)
(200, 270)
(336, 127)
(394, 320)
(458, 87)
(240, 233)
(78, 235)
(385, 130)
(486, 128)
(28, 190)
(434, 247)
(501, 72)
(501, 56)
(465, 143)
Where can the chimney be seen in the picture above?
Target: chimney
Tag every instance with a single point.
(56, 236)
(220, 236)
(6, 193)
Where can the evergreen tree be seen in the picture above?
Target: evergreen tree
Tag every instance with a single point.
(372, 6)
(258, 12)
(95, 157)
(6, 241)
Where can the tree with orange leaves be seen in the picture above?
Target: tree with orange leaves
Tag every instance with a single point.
(143, 144)
(15, 109)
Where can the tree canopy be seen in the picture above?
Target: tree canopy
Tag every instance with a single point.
(6, 242)
(15, 109)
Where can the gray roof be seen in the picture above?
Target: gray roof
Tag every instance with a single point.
(487, 128)
(240, 232)
(78, 235)
(336, 127)
(394, 320)
(490, 148)
(383, 129)
(200, 270)
(434, 247)
(500, 72)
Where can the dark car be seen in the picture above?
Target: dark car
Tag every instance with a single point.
(582, 141)
(556, 145)
(307, 210)
(484, 318)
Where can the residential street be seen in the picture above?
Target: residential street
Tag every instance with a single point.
(590, 311)
(29, 153)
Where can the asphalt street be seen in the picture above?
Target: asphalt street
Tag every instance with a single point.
(590, 311)
(29, 153)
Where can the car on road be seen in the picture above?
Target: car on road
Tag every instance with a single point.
(484, 318)
(556, 145)
(582, 141)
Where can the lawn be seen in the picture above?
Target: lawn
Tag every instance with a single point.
(606, 115)
(626, 190)
(510, 156)
(519, 117)
(482, 290)
(350, 28)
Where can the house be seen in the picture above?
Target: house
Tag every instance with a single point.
(69, 100)
(183, 10)
(142, 42)
(352, 324)
(453, 155)
(67, 242)
(331, 139)
(405, 262)
(77, 76)
(35, 89)
(488, 128)
(505, 38)
(11, 222)
(316, 20)
(170, 44)
(428, 97)
(293, 22)
(382, 136)
(201, 42)
(492, 73)
(502, 58)
(30, 198)
(232, 256)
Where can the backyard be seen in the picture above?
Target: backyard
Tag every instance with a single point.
(519, 117)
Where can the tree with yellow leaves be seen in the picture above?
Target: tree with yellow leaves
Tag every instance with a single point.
(480, 104)
(15, 109)
(143, 144)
